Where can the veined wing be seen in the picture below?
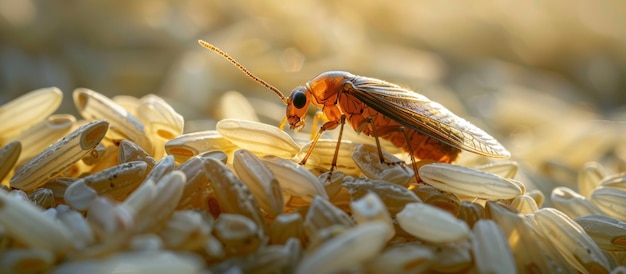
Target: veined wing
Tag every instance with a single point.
(419, 113)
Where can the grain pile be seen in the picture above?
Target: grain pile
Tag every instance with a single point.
(124, 188)
(186, 182)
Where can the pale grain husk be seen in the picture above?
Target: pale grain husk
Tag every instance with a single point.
(27, 110)
(490, 249)
(136, 262)
(59, 156)
(129, 152)
(186, 230)
(146, 242)
(571, 203)
(42, 197)
(160, 168)
(93, 105)
(503, 214)
(58, 186)
(395, 197)
(160, 116)
(268, 259)
(110, 221)
(611, 201)
(537, 195)
(615, 181)
(451, 258)
(471, 213)
(532, 251)
(571, 240)
(168, 192)
(435, 197)
(116, 182)
(38, 137)
(261, 139)
(214, 248)
(161, 121)
(407, 258)
(322, 214)
(504, 169)
(286, 226)
(469, 182)
(432, 224)
(391, 169)
(191, 144)
(371, 208)
(232, 195)
(78, 227)
(95, 155)
(294, 179)
(19, 260)
(350, 248)
(215, 154)
(590, 177)
(27, 223)
(609, 233)
(525, 204)
(141, 198)
(260, 180)
(239, 234)
(332, 182)
(196, 189)
(102, 160)
(8, 157)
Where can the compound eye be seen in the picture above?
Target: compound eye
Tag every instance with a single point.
(299, 99)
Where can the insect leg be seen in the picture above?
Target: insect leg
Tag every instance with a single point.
(281, 126)
(410, 149)
(334, 162)
(319, 116)
(326, 126)
(386, 130)
(370, 122)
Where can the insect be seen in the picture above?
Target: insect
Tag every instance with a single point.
(423, 128)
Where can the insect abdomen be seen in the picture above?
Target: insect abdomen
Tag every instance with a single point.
(423, 146)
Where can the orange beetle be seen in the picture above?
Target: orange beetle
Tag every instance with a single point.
(423, 128)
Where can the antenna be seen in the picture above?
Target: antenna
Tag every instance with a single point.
(243, 69)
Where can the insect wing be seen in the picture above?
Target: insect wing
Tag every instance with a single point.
(419, 113)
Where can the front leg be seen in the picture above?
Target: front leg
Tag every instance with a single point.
(319, 117)
(330, 125)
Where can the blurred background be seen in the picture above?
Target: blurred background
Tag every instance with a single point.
(547, 78)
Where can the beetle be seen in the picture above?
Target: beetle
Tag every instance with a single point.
(423, 128)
